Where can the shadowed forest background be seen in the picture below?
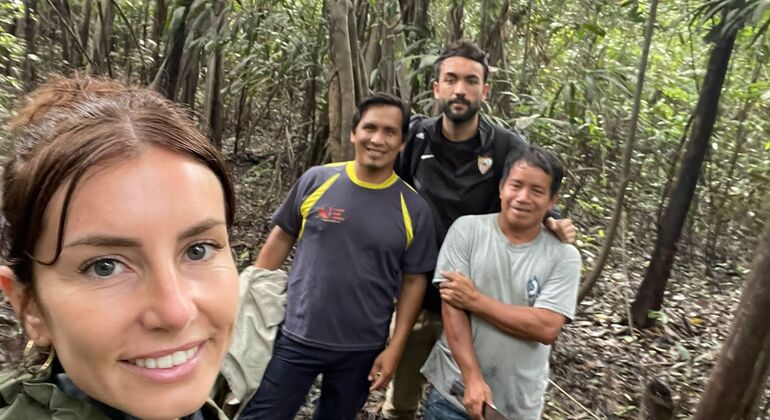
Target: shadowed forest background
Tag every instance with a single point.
(660, 113)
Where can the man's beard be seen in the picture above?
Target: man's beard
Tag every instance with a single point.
(472, 108)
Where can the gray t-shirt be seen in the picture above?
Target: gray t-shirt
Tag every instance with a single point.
(543, 273)
(356, 240)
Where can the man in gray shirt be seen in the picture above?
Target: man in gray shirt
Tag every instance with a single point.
(507, 286)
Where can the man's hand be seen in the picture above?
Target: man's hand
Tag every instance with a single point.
(383, 368)
(563, 229)
(477, 392)
(459, 291)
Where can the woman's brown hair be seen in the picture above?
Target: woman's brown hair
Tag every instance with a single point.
(71, 125)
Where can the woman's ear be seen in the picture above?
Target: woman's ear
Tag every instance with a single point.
(26, 308)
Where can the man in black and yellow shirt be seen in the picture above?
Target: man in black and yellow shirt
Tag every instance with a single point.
(455, 161)
(364, 238)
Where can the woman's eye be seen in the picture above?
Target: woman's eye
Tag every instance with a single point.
(200, 252)
(105, 268)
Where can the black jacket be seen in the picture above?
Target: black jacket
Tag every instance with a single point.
(470, 189)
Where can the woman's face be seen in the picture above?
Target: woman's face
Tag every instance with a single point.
(140, 305)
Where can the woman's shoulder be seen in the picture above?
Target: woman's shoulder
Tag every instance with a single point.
(24, 397)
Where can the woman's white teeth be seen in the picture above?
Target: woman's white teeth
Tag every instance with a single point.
(174, 359)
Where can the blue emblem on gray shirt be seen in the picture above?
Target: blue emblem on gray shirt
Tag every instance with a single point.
(533, 290)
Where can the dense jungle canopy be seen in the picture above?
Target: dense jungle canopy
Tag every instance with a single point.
(660, 113)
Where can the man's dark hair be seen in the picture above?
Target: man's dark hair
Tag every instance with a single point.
(380, 99)
(465, 49)
(538, 157)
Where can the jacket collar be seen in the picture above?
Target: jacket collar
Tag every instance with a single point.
(43, 392)
(485, 129)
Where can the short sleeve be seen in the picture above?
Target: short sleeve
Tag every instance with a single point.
(420, 257)
(455, 251)
(559, 292)
(288, 216)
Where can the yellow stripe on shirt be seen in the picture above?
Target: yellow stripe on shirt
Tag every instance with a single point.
(350, 169)
(313, 198)
(407, 222)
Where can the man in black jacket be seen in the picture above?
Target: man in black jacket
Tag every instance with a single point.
(455, 161)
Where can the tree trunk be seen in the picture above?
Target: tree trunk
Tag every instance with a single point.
(213, 109)
(85, 27)
(414, 14)
(650, 294)
(167, 77)
(100, 48)
(359, 72)
(523, 73)
(9, 63)
(494, 16)
(30, 31)
(158, 23)
(345, 68)
(65, 20)
(189, 73)
(335, 119)
(455, 21)
(755, 392)
(740, 353)
(625, 176)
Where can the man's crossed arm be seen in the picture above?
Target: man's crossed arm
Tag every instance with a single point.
(528, 323)
(458, 295)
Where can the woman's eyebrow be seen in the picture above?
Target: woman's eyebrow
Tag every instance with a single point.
(122, 241)
(98, 240)
(200, 228)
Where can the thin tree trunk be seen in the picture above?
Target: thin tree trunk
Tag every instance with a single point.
(9, 63)
(30, 31)
(650, 294)
(749, 332)
(523, 73)
(455, 21)
(65, 21)
(494, 18)
(100, 48)
(345, 69)
(625, 176)
(359, 79)
(85, 27)
(189, 69)
(213, 109)
(167, 77)
(158, 23)
(665, 194)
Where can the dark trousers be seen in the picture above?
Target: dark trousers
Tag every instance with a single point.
(292, 371)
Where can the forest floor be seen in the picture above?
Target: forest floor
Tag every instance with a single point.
(599, 365)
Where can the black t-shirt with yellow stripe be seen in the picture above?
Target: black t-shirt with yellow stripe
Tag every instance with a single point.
(356, 240)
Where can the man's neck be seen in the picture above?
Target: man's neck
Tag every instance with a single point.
(515, 235)
(371, 176)
(458, 132)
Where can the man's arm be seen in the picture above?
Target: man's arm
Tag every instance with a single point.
(529, 323)
(407, 309)
(276, 249)
(457, 327)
